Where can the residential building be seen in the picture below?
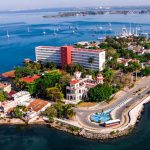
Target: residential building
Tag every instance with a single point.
(35, 108)
(5, 87)
(79, 88)
(125, 62)
(21, 96)
(66, 55)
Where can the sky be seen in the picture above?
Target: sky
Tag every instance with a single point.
(30, 4)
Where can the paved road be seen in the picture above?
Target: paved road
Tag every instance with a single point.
(83, 115)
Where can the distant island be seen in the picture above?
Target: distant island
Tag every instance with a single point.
(99, 11)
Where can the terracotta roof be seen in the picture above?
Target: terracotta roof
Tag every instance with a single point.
(30, 79)
(3, 85)
(37, 105)
(100, 76)
(74, 81)
(10, 74)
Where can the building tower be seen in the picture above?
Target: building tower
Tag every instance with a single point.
(66, 55)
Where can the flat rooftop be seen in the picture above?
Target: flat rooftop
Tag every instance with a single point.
(38, 104)
(19, 94)
(73, 49)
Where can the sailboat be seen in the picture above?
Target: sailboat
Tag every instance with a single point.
(28, 30)
(73, 31)
(8, 36)
(44, 32)
(54, 33)
(101, 28)
(110, 27)
(76, 27)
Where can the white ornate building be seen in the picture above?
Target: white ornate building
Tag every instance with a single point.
(79, 88)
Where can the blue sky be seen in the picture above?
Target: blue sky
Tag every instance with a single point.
(28, 4)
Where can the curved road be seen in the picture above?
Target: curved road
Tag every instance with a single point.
(83, 115)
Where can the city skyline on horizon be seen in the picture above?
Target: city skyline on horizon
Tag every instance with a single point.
(32, 4)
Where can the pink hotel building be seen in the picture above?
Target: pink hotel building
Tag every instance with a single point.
(66, 55)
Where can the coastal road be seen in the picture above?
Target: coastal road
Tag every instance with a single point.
(83, 115)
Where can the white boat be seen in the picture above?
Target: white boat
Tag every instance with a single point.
(28, 30)
(101, 38)
(44, 32)
(101, 28)
(54, 33)
(144, 34)
(73, 31)
(76, 27)
(8, 36)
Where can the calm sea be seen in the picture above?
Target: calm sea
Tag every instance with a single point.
(22, 43)
(44, 138)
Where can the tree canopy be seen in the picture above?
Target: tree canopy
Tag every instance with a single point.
(54, 94)
(100, 93)
(3, 96)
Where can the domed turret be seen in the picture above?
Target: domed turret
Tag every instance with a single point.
(100, 79)
(77, 75)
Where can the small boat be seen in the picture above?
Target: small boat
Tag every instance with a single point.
(144, 34)
(76, 27)
(28, 30)
(101, 28)
(73, 31)
(101, 38)
(54, 33)
(44, 32)
(8, 36)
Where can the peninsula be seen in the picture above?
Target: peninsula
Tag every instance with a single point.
(93, 89)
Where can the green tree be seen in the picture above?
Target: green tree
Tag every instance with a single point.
(64, 81)
(23, 72)
(47, 81)
(54, 94)
(50, 112)
(18, 111)
(145, 71)
(3, 96)
(108, 74)
(101, 92)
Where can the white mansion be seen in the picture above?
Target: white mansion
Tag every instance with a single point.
(78, 88)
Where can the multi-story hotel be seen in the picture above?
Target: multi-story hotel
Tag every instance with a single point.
(66, 55)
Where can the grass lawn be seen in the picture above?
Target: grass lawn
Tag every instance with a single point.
(87, 104)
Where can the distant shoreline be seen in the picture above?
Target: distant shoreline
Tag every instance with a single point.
(96, 12)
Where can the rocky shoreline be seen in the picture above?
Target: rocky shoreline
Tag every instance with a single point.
(115, 133)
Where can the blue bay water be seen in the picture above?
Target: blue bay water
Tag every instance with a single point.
(21, 44)
(45, 138)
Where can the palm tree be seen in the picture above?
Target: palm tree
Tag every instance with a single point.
(91, 60)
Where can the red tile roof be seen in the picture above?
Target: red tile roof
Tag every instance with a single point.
(37, 105)
(10, 74)
(30, 79)
(74, 81)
